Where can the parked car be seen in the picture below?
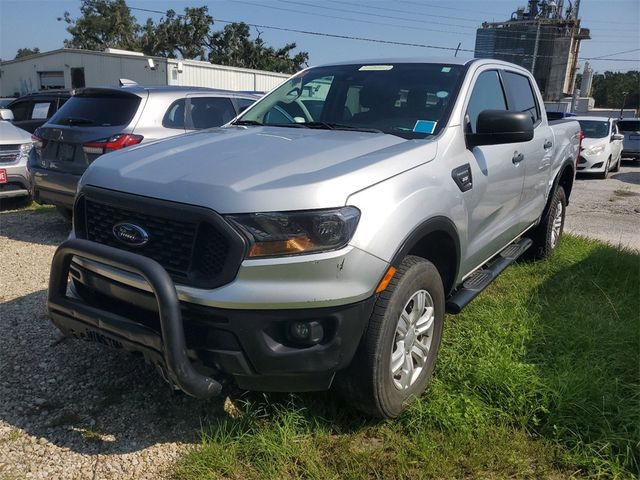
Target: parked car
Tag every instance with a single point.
(289, 250)
(559, 115)
(96, 121)
(34, 109)
(601, 146)
(15, 145)
(630, 128)
(4, 101)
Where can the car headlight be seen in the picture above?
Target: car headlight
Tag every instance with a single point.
(294, 233)
(25, 148)
(595, 150)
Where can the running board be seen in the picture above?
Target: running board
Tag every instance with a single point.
(481, 278)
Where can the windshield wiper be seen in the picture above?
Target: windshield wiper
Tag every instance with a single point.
(77, 121)
(340, 126)
(246, 122)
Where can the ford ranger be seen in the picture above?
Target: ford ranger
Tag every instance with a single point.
(319, 238)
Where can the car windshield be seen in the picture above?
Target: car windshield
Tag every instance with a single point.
(411, 100)
(594, 128)
(629, 125)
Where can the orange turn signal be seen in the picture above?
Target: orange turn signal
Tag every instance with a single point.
(386, 279)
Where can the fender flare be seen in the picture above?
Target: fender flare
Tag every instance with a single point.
(431, 225)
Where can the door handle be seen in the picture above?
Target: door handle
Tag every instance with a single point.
(548, 144)
(517, 158)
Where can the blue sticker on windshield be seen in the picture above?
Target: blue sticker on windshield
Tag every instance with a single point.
(424, 126)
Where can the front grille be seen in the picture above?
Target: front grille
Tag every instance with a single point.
(9, 153)
(195, 245)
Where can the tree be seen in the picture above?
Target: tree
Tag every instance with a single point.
(233, 46)
(190, 35)
(608, 89)
(185, 35)
(103, 24)
(25, 52)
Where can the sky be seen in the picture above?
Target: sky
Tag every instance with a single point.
(614, 25)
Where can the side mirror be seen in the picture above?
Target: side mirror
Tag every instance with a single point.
(6, 114)
(496, 127)
(617, 136)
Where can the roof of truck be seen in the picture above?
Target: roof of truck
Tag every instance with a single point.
(379, 61)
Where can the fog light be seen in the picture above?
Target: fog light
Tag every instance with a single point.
(308, 333)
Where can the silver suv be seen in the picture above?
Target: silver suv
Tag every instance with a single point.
(96, 121)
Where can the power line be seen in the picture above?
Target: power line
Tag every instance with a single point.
(371, 22)
(371, 40)
(428, 15)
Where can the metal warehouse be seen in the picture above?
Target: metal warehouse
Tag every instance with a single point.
(72, 68)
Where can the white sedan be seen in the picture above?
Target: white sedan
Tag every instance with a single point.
(601, 146)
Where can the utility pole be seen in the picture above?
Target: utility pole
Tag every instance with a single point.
(624, 100)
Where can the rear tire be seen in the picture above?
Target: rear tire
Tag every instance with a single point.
(398, 351)
(546, 236)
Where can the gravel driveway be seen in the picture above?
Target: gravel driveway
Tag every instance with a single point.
(607, 210)
(71, 409)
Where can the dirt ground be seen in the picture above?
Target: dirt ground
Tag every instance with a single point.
(607, 210)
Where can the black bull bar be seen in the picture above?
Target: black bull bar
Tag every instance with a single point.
(172, 342)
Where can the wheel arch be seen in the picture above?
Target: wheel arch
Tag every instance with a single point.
(565, 179)
(436, 240)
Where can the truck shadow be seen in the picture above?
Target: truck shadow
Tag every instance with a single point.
(91, 399)
(43, 226)
(83, 396)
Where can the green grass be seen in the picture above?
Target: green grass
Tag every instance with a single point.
(538, 378)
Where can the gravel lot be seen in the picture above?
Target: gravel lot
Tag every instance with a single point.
(71, 409)
(607, 210)
(76, 410)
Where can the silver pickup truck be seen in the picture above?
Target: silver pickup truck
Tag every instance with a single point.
(320, 237)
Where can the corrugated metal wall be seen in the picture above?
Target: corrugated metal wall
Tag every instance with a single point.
(103, 69)
(204, 74)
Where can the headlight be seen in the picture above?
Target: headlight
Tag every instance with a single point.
(292, 233)
(595, 150)
(25, 148)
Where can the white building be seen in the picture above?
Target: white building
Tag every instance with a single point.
(72, 68)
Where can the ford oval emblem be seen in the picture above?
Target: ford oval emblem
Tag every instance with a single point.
(130, 234)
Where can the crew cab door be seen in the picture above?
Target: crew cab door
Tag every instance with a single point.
(537, 154)
(493, 202)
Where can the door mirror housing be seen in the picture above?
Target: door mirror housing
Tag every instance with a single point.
(496, 127)
(617, 136)
(6, 114)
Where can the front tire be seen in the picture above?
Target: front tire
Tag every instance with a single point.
(617, 166)
(605, 174)
(546, 236)
(398, 351)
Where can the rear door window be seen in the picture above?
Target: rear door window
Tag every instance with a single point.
(207, 112)
(22, 110)
(521, 97)
(174, 117)
(97, 110)
(487, 94)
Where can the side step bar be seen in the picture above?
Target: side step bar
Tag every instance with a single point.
(480, 279)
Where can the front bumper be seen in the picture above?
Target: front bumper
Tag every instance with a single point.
(17, 180)
(591, 163)
(51, 187)
(192, 344)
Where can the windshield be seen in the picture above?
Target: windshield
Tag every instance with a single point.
(629, 125)
(411, 100)
(594, 128)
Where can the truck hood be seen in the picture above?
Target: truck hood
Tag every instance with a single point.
(249, 169)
